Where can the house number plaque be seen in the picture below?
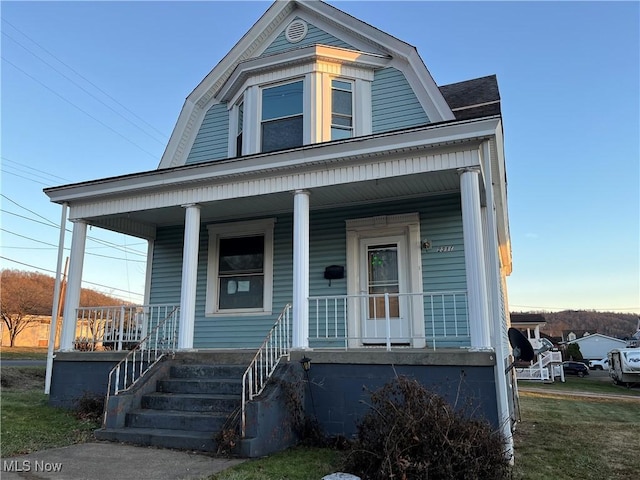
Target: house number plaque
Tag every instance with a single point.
(446, 248)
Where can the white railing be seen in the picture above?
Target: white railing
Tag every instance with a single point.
(445, 317)
(160, 341)
(117, 327)
(276, 345)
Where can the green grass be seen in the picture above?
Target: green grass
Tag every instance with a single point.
(28, 423)
(597, 383)
(299, 463)
(567, 438)
(23, 353)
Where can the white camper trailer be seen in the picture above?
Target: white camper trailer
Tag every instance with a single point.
(624, 365)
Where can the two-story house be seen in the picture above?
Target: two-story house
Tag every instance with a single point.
(320, 180)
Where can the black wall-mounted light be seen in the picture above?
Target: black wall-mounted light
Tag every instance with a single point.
(306, 363)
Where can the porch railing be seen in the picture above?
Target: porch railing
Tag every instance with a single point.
(116, 327)
(161, 340)
(276, 345)
(333, 319)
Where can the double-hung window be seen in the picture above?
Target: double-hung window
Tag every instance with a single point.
(341, 109)
(240, 266)
(282, 116)
(239, 129)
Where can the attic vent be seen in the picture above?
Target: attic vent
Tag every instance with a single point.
(296, 31)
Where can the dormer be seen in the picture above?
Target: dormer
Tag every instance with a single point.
(306, 73)
(308, 95)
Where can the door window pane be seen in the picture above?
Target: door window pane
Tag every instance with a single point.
(383, 278)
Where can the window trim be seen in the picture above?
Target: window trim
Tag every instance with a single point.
(239, 229)
(316, 66)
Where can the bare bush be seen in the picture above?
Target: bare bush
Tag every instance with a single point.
(411, 433)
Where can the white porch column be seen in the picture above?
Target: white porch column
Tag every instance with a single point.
(300, 269)
(474, 258)
(189, 276)
(74, 284)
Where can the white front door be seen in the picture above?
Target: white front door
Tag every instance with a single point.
(384, 312)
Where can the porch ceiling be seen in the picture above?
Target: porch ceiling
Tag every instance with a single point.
(384, 189)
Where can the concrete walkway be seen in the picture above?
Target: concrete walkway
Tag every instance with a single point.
(112, 461)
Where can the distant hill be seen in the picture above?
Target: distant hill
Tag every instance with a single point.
(617, 325)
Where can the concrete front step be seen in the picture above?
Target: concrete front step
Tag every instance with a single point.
(207, 371)
(191, 402)
(201, 385)
(176, 420)
(158, 437)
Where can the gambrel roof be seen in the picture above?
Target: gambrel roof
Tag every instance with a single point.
(358, 36)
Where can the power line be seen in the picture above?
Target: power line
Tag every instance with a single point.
(97, 240)
(84, 89)
(55, 246)
(26, 178)
(83, 77)
(79, 108)
(25, 208)
(83, 281)
(34, 169)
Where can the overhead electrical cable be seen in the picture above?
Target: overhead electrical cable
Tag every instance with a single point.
(83, 281)
(164, 135)
(85, 90)
(79, 108)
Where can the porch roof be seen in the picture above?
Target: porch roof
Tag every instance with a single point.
(418, 161)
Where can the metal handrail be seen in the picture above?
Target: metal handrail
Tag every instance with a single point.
(151, 356)
(276, 345)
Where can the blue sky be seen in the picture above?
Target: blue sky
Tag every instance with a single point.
(93, 89)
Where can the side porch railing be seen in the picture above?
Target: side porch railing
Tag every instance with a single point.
(117, 328)
(389, 319)
(161, 340)
(276, 345)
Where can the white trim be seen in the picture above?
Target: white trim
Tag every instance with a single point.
(239, 229)
(406, 225)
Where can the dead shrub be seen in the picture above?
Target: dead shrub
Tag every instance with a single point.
(89, 407)
(410, 433)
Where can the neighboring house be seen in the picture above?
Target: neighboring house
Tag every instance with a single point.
(319, 175)
(35, 334)
(596, 346)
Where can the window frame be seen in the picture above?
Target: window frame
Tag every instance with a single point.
(352, 91)
(304, 112)
(263, 227)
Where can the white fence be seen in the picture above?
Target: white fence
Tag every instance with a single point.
(118, 328)
(375, 319)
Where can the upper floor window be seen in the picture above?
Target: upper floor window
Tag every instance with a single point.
(239, 129)
(341, 109)
(282, 119)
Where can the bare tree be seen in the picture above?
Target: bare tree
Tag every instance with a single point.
(23, 297)
(26, 295)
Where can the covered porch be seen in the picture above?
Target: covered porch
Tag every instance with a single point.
(427, 162)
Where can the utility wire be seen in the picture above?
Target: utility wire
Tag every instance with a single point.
(84, 78)
(79, 108)
(83, 281)
(85, 90)
(34, 169)
(25, 208)
(65, 248)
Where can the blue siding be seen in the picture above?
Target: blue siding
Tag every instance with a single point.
(393, 102)
(441, 222)
(212, 140)
(314, 36)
